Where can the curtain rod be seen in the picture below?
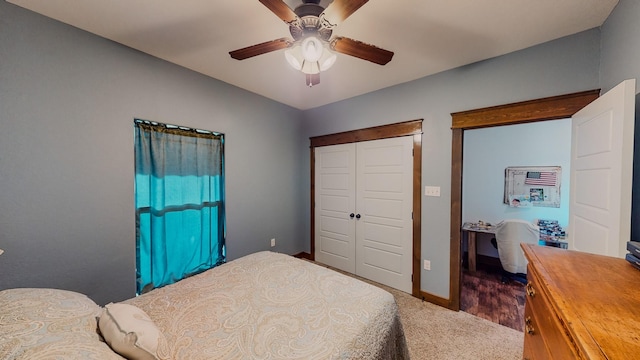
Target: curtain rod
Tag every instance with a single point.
(174, 127)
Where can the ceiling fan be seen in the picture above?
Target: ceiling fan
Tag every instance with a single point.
(311, 27)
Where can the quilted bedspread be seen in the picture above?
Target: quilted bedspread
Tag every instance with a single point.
(44, 324)
(273, 306)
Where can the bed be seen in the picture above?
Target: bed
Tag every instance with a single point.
(262, 306)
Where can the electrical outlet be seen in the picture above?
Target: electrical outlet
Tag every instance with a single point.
(427, 265)
(432, 190)
(273, 242)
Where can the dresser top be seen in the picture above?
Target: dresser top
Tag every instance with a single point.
(597, 297)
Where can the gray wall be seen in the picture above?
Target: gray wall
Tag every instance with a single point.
(563, 66)
(67, 104)
(620, 61)
(620, 48)
(546, 143)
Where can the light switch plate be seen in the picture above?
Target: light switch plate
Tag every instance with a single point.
(427, 265)
(432, 190)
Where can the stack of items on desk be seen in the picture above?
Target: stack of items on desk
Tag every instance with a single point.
(552, 234)
(633, 257)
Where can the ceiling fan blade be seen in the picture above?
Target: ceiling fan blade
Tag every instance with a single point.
(260, 49)
(282, 10)
(339, 10)
(361, 50)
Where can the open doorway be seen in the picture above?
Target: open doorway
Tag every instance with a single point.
(552, 108)
(486, 291)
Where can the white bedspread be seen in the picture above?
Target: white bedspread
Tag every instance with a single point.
(39, 324)
(273, 306)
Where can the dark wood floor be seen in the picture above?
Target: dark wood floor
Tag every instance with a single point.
(484, 295)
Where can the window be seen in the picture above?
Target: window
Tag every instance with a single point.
(179, 199)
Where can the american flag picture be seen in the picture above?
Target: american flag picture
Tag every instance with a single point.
(543, 178)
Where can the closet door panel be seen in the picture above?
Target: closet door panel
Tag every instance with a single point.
(384, 199)
(335, 201)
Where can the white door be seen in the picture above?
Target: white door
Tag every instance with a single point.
(601, 173)
(385, 203)
(335, 197)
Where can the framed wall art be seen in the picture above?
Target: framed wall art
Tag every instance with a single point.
(526, 186)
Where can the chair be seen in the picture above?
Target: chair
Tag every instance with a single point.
(509, 235)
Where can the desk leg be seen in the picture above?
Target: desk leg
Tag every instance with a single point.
(471, 251)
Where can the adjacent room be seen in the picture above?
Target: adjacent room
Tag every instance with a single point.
(347, 165)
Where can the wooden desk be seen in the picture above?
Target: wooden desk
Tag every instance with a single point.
(472, 229)
(580, 306)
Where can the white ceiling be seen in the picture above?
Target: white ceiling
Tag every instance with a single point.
(427, 37)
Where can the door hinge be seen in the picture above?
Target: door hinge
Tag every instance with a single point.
(411, 277)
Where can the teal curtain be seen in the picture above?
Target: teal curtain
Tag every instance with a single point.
(179, 196)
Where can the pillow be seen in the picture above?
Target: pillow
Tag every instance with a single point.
(130, 332)
(40, 323)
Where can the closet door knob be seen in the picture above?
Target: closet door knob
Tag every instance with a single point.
(352, 215)
(358, 216)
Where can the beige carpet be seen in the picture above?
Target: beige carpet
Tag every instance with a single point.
(434, 332)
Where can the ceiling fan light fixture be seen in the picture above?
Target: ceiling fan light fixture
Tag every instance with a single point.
(327, 60)
(312, 49)
(294, 57)
(297, 61)
(310, 67)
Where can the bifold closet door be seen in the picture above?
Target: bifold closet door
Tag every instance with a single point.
(384, 201)
(335, 184)
(363, 209)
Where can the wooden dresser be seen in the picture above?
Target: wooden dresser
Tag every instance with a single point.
(580, 306)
